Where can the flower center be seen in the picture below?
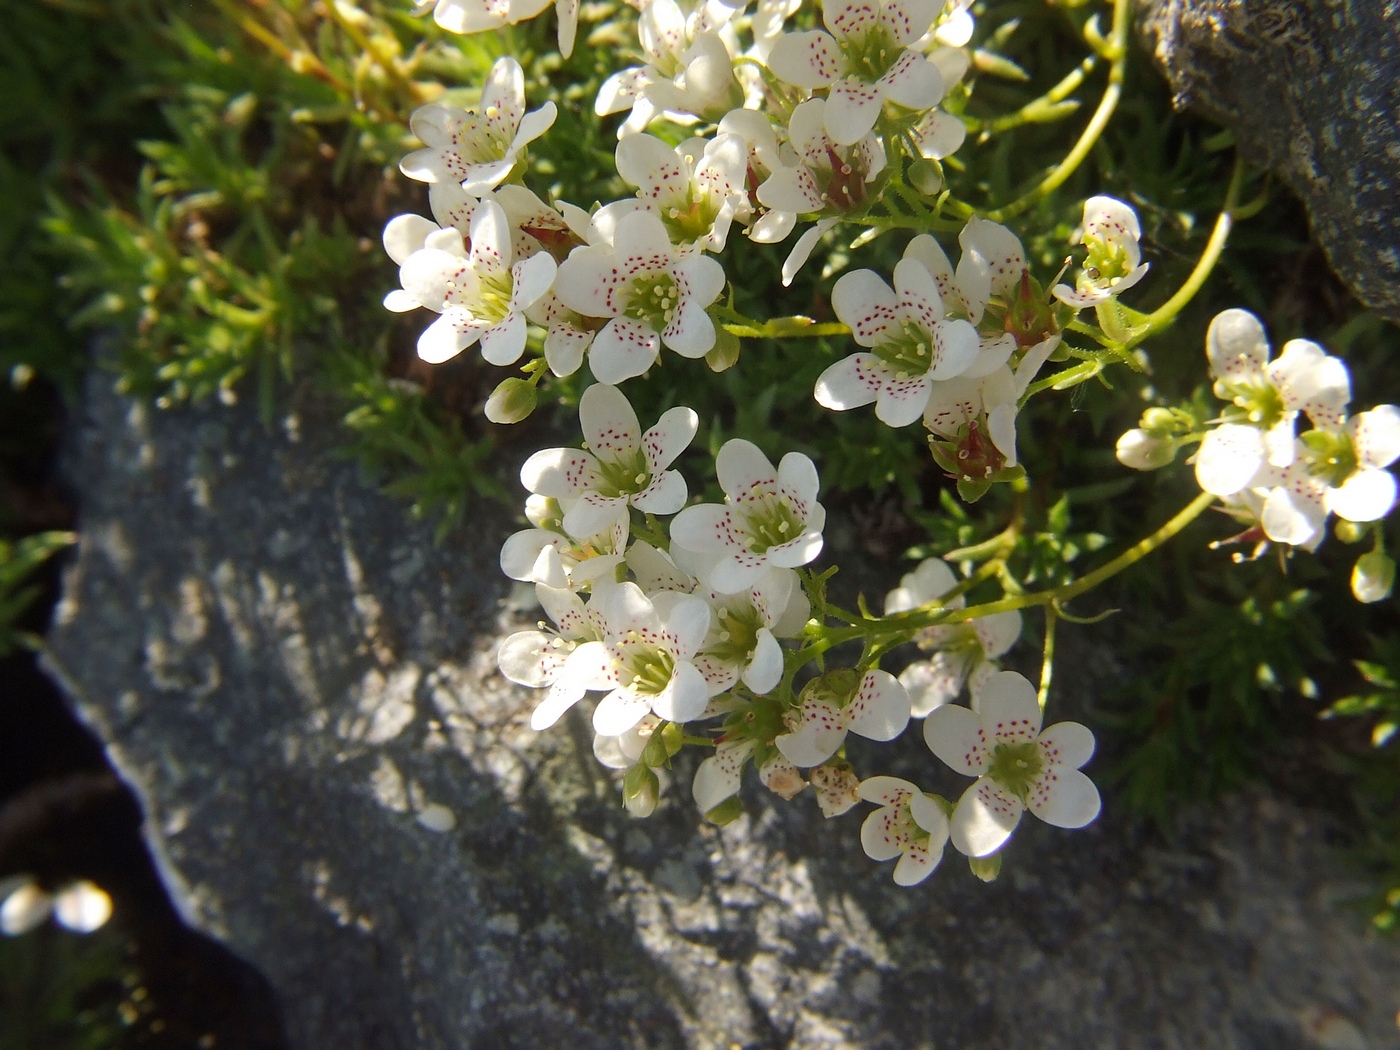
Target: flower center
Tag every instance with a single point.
(1331, 456)
(652, 299)
(1108, 261)
(493, 298)
(1262, 402)
(845, 186)
(773, 523)
(870, 55)
(645, 668)
(738, 635)
(909, 353)
(1016, 767)
(692, 218)
(625, 476)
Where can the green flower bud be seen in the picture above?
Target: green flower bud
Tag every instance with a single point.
(728, 811)
(1350, 531)
(724, 354)
(986, 868)
(640, 790)
(512, 401)
(926, 176)
(1374, 577)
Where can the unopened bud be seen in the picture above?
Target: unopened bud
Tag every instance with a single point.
(512, 401)
(1142, 450)
(1159, 421)
(640, 791)
(724, 354)
(1374, 577)
(926, 176)
(1350, 531)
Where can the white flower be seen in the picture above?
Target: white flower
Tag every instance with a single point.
(1019, 766)
(645, 658)
(908, 825)
(767, 225)
(768, 518)
(835, 787)
(81, 906)
(478, 149)
(1111, 234)
(964, 653)
(1267, 397)
(743, 641)
(991, 264)
(621, 467)
(697, 189)
(652, 294)
(689, 71)
(536, 658)
(827, 179)
(1144, 450)
(912, 345)
(479, 16)
(549, 555)
(1337, 471)
(864, 58)
(877, 709)
(481, 295)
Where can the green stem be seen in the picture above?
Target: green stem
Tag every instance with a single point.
(1047, 666)
(1117, 52)
(1166, 313)
(1033, 112)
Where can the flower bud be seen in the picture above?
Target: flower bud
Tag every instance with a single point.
(986, 868)
(1159, 421)
(1142, 450)
(1350, 531)
(724, 355)
(640, 790)
(512, 401)
(1374, 577)
(926, 176)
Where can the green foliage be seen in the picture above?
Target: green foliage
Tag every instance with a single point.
(58, 989)
(19, 560)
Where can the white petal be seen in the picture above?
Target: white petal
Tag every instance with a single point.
(1236, 346)
(917, 864)
(880, 708)
(560, 472)
(851, 110)
(998, 632)
(934, 682)
(901, 402)
(865, 304)
(1065, 798)
(82, 906)
(913, 82)
(1229, 458)
(519, 658)
(688, 622)
(717, 778)
(930, 581)
(955, 735)
(1069, 744)
(929, 815)
(443, 340)
(685, 697)
(1367, 495)
(1376, 436)
(744, 472)
(803, 248)
(671, 436)
(24, 909)
(560, 698)
(886, 791)
(619, 711)
(797, 477)
(666, 494)
(405, 234)
(810, 59)
(765, 670)
(880, 834)
(984, 819)
(504, 342)
(623, 350)
(1008, 707)
(1294, 515)
(852, 382)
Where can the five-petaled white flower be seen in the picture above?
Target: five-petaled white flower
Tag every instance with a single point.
(481, 294)
(770, 518)
(652, 293)
(864, 58)
(620, 466)
(1266, 397)
(477, 149)
(697, 188)
(689, 71)
(1111, 234)
(877, 708)
(550, 555)
(645, 658)
(743, 641)
(827, 179)
(1018, 766)
(535, 658)
(908, 825)
(964, 653)
(480, 16)
(912, 345)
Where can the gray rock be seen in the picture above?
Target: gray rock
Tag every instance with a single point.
(1311, 90)
(341, 788)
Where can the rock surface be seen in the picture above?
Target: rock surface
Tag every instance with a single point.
(1311, 90)
(296, 682)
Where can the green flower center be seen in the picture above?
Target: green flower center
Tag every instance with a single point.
(870, 55)
(773, 523)
(1330, 456)
(694, 219)
(738, 635)
(493, 297)
(1107, 262)
(1261, 401)
(624, 476)
(909, 352)
(652, 299)
(645, 668)
(1016, 767)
